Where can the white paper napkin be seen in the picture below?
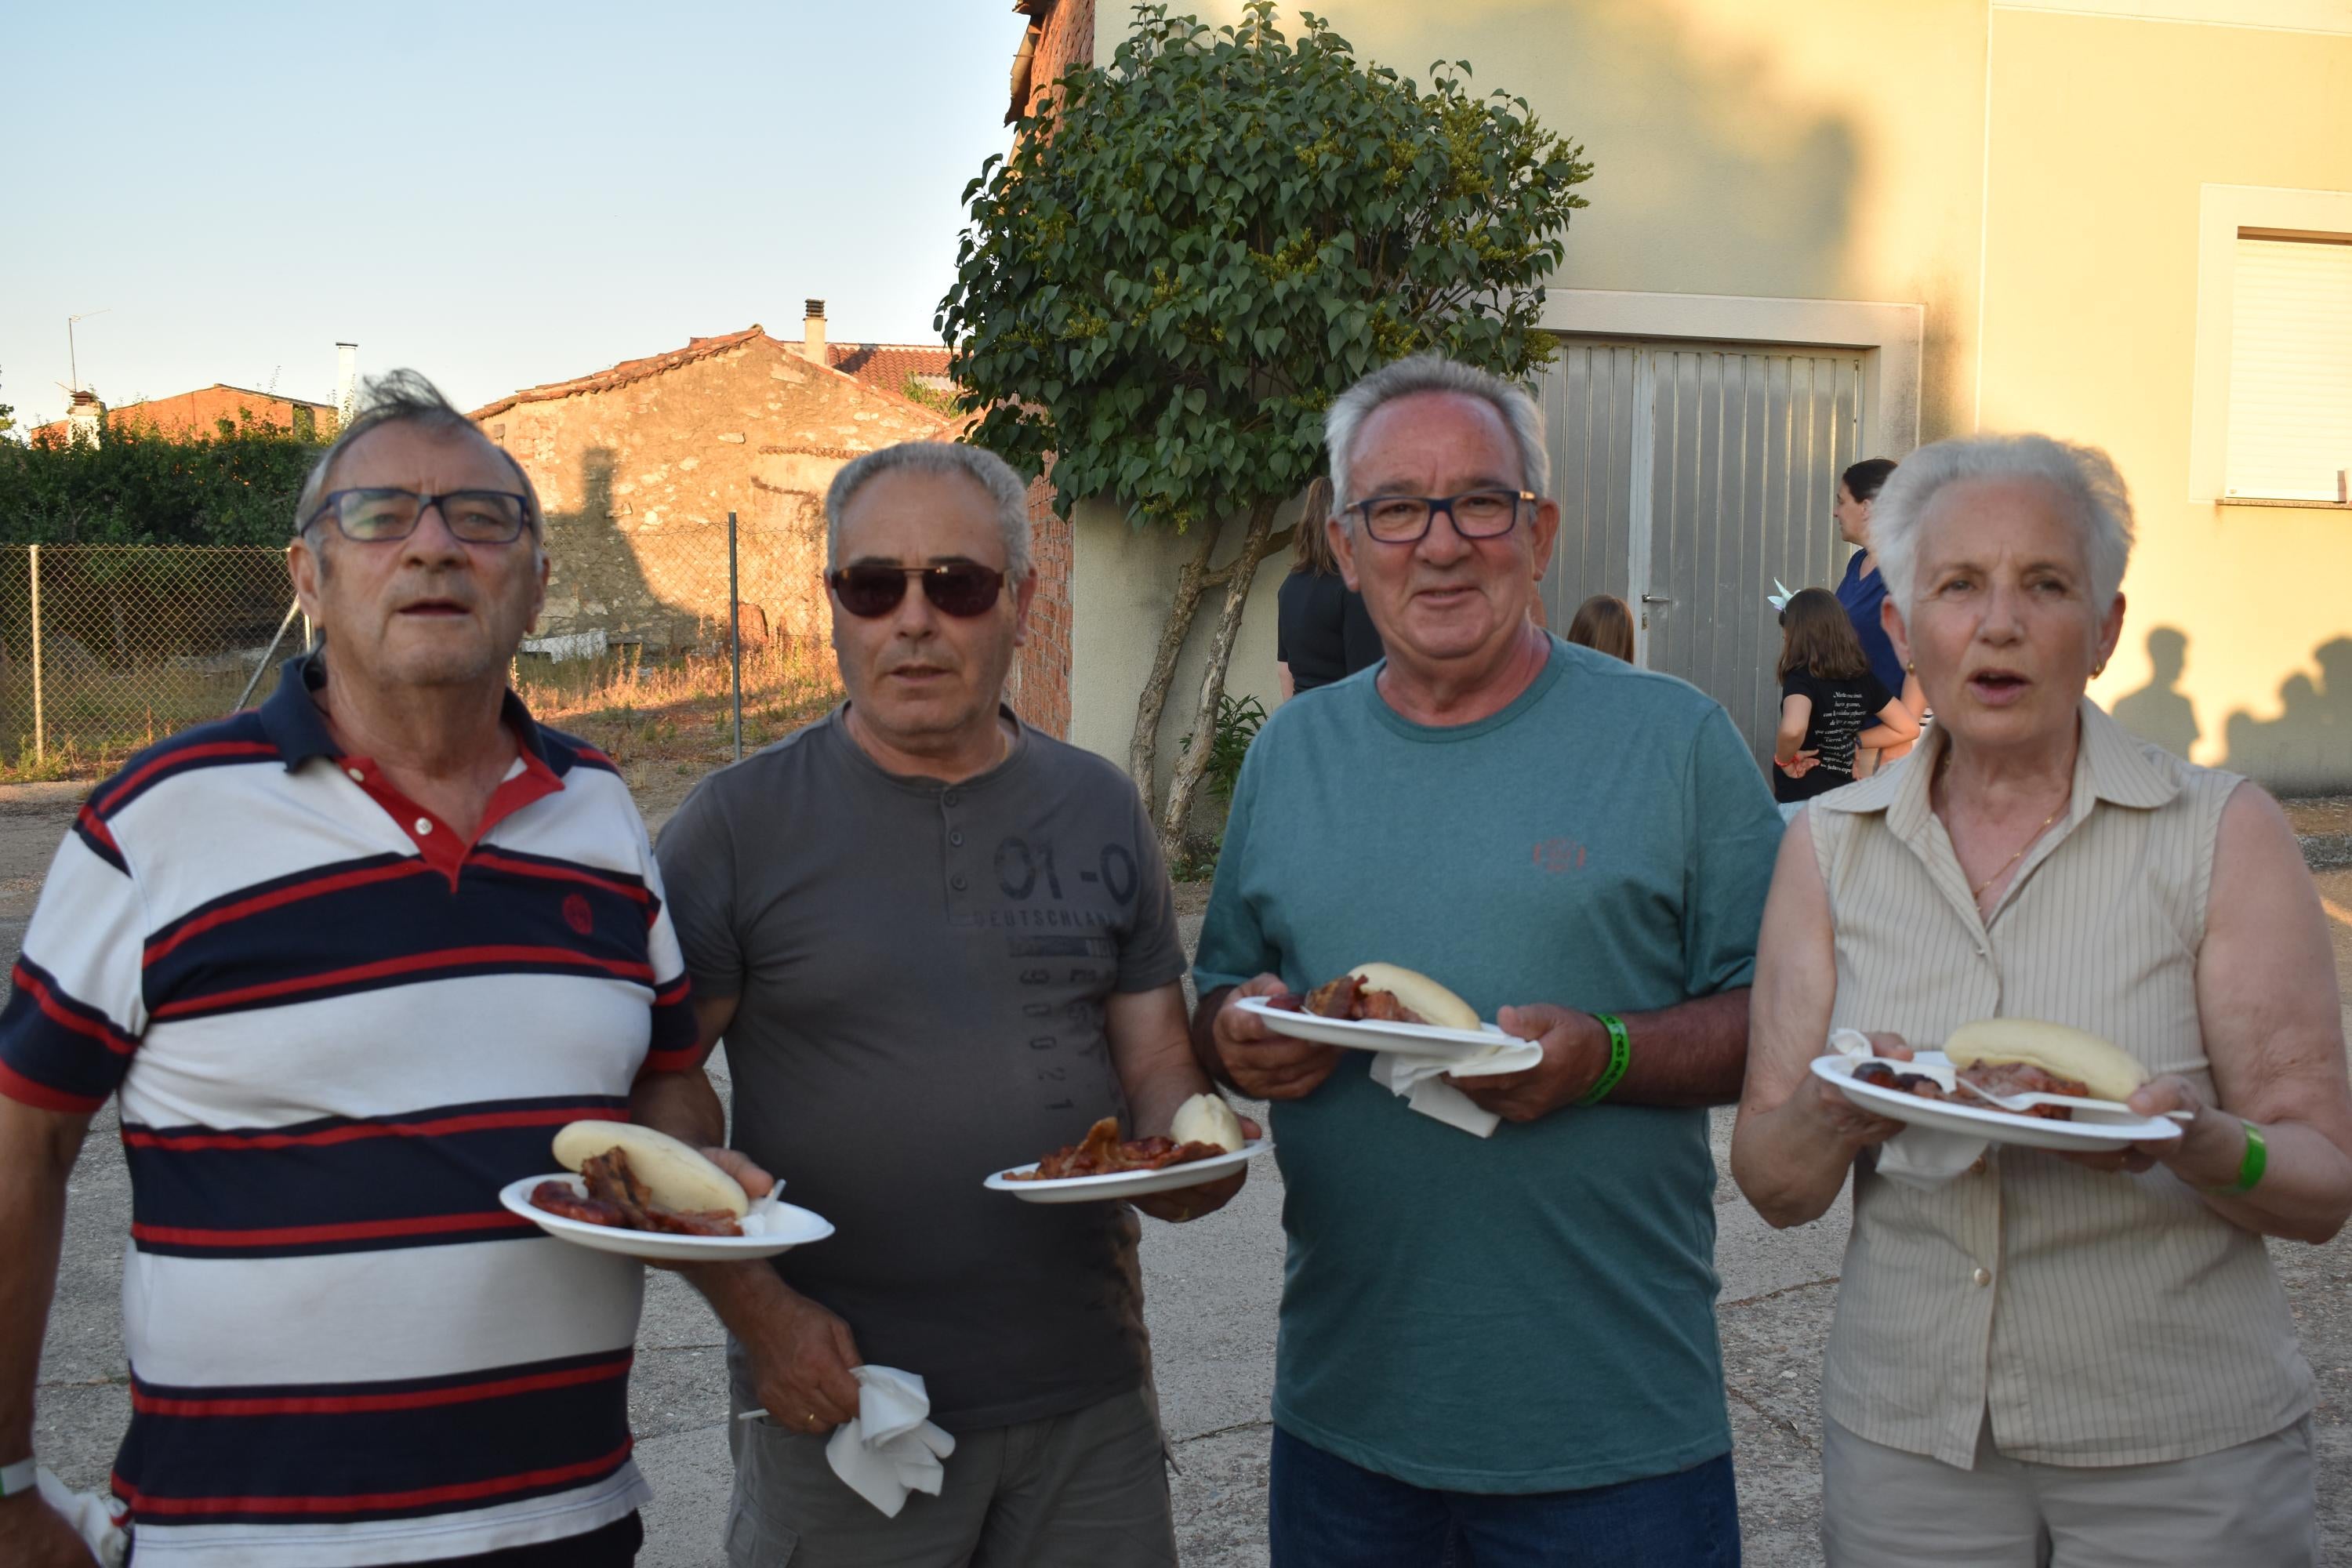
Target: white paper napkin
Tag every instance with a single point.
(97, 1520)
(1420, 1082)
(889, 1448)
(1916, 1156)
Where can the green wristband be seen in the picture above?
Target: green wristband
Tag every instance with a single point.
(1621, 1054)
(2250, 1169)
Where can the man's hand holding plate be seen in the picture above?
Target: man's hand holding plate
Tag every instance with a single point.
(1575, 1054)
(1261, 1063)
(1191, 1203)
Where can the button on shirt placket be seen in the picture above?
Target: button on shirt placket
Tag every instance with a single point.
(439, 847)
(954, 858)
(1978, 1192)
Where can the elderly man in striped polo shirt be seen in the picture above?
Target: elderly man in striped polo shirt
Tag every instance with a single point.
(349, 960)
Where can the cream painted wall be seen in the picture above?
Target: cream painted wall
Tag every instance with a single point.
(2089, 331)
(1120, 585)
(1833, 150)
(1908, 153)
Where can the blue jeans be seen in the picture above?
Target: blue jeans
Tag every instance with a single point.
(1328, 1513)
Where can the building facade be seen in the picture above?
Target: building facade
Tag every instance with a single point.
(195, 416)
(1825, 232)
(639, 465)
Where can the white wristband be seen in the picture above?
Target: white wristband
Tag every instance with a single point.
(19, 1477)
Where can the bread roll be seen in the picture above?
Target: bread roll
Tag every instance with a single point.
(1207, 1119)
(2105, 1069)
(1419, 992)
(675, 1174)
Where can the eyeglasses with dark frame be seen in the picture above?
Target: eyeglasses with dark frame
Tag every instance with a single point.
(1475, 514)
(377, 514)
(960, 588)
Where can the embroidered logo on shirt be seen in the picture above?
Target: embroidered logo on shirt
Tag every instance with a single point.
(1558, 855)
(577, 914)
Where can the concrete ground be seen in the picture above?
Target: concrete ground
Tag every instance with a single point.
(1212, 1288)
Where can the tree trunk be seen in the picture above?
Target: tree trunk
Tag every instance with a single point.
(1240, 575)
(1191, 582)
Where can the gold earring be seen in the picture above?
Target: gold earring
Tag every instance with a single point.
(2098, 670)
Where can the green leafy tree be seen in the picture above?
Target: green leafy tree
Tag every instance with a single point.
(1189, 253)
(137, 484)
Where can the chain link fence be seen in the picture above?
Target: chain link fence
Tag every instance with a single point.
(105, 649)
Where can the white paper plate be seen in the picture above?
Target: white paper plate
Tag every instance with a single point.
(1121, 1184)
(770, 1229)
(1414, 1040)
(2089, 1132)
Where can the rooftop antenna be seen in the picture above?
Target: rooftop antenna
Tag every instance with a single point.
(73, 362)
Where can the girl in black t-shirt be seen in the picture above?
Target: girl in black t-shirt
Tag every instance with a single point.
(1830, 702)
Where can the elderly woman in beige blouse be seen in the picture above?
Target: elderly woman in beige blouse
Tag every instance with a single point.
(2052, 1359)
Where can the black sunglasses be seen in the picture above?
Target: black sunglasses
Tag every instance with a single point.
(963, 589)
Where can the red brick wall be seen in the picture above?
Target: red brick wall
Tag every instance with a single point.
(1041, 674)
(1068, 39)
(1041, 671)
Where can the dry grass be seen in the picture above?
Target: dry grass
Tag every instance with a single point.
(647, 713)
(95, 717)
(671, 716)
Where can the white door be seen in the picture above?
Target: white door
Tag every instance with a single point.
(1690, 477)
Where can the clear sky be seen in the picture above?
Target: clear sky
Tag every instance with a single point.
(498, 194)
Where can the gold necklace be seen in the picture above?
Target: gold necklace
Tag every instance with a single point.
(1978, 890)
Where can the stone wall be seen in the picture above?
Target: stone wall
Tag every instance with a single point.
(638, 473)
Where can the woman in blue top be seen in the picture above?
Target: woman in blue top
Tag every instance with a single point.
(1861, 592)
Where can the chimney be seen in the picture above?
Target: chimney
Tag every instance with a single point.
(85, 420)
(347, 382)
(813, 333)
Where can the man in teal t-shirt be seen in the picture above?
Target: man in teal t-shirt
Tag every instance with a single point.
(1506, 1340)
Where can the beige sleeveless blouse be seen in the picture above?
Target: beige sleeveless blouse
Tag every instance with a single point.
(2101, 1318)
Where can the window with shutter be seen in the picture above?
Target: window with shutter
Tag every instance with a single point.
(2290, 419)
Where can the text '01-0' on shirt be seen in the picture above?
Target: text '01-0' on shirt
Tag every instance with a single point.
(337, 1030)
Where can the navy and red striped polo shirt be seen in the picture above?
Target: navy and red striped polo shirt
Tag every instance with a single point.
(336, 1031)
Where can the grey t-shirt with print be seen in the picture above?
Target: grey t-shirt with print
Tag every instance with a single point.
(921, 970)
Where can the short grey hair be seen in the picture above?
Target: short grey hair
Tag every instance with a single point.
(1434, 372)
(402, 398)
(2095, 502)
(983, 467)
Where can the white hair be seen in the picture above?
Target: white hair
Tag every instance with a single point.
(983, 467)
(2097, 504)
(1433, 373)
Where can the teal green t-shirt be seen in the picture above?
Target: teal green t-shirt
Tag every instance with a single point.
(1533, 1312)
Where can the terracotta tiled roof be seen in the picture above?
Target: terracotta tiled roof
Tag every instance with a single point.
(880, 367)
(623, 373)
(888, 365)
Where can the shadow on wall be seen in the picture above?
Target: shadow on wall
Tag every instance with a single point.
(2160, 712)
(663, 587)
(2306, 749)
(594, 580)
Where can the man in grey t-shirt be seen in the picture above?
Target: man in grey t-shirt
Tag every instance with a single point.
(938, 945)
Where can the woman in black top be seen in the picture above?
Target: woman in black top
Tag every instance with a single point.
(1322, 630)
(1831, 704)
